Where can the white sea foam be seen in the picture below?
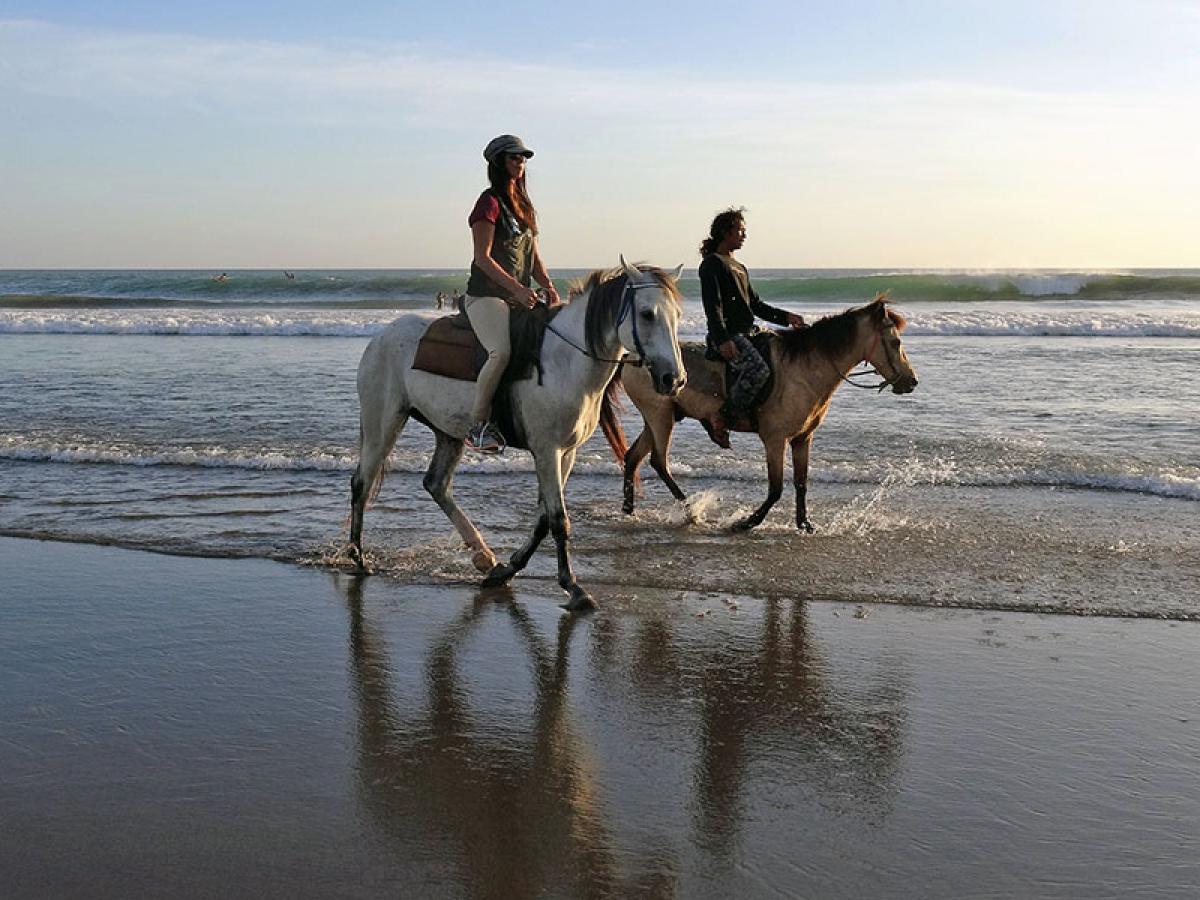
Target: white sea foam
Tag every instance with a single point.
(1031, 321)
(890, 476)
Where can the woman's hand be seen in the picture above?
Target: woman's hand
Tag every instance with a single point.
(526, 296)
(729, 350)
(552, 298)
(796, 320)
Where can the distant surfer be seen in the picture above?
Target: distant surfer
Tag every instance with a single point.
(441, 300)
(222, 277)
(289, 276)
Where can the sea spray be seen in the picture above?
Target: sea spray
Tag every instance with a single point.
(868, 512)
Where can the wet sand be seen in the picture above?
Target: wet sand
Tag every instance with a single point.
(191, 727)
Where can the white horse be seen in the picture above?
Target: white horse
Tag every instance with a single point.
(634, 310)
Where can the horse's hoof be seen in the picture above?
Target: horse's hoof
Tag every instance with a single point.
(484, 561)
(499, 574)
(627, 508)
(806, 526)
(744, 524)
(360, 563)
(581, 601)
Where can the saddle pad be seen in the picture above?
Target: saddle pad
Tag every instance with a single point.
(449, 348)
(703, 375)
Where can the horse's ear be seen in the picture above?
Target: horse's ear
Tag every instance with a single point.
(630, 271)
(882, 296)
(676, 272)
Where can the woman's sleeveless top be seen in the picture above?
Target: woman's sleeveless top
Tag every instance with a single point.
(512, 249)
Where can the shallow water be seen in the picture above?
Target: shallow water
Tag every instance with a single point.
(1048, 459)
(191, 727)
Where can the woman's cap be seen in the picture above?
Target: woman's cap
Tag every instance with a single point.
(506, 143)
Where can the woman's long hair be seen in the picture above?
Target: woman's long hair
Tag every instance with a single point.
(723, 223)
(512, 190)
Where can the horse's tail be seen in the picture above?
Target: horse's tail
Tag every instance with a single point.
(610, 422)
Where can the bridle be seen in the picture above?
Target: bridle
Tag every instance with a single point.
(872, 370)
(625, 311)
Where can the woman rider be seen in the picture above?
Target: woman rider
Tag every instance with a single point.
(730, 306)
(504, 232)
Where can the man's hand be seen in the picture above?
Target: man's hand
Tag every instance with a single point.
(796, 320)
(728, 350)
(552, 298)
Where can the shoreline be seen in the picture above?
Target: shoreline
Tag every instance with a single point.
(1018, 549)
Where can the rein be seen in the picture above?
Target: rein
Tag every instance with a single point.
(866, 372)
(625, 311)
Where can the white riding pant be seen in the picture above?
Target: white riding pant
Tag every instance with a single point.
(489, 317)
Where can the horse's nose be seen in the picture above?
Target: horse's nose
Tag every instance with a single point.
(668, 382)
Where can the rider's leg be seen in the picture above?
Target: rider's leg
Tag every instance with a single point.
(750, 373)
(489, 319)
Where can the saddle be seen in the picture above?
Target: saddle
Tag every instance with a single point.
(450, 348)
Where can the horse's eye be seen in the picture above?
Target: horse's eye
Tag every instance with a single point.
(648, 315)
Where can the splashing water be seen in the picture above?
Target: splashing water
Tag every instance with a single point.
(867, 512)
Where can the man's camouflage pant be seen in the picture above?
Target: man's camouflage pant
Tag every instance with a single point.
(750, 372)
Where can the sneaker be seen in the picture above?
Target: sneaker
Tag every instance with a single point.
(484, 437)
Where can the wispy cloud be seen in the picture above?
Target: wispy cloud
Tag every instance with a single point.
(375, 84)
(913, 149)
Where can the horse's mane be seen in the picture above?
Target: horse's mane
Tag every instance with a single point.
(606, 287)
(832, 334)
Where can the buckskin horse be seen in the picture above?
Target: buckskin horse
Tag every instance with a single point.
(629, 309)
(809, 364)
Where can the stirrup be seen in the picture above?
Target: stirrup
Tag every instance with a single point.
(484, 437)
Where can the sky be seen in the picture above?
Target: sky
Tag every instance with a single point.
(914, 133)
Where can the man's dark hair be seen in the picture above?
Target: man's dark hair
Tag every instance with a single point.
(723, 223)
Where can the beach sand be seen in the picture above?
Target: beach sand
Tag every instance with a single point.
(192, 727)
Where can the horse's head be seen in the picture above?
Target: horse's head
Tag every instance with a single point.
(648, 322)
(884, 350)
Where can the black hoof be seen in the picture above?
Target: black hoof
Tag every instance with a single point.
(745, 524)
(581, 601)
(806, 526)
(627, 508)
(500, 574)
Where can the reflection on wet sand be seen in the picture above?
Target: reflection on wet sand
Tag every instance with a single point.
(521, 817)
(771, 710)
(496, 807)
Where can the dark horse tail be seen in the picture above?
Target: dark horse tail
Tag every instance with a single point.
(610, 422)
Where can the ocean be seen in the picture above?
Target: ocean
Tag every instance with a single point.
(1048, 460)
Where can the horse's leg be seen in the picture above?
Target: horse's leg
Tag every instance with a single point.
(438, 480)
(774, 448)
(800, 447)
(377, 434)
(660, 456)
(655, 439)
(633, 459)
(552, 470)
(502, 572)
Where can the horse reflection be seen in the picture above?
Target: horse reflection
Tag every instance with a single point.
(768, 706)
(491, 804)
(516, 813)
